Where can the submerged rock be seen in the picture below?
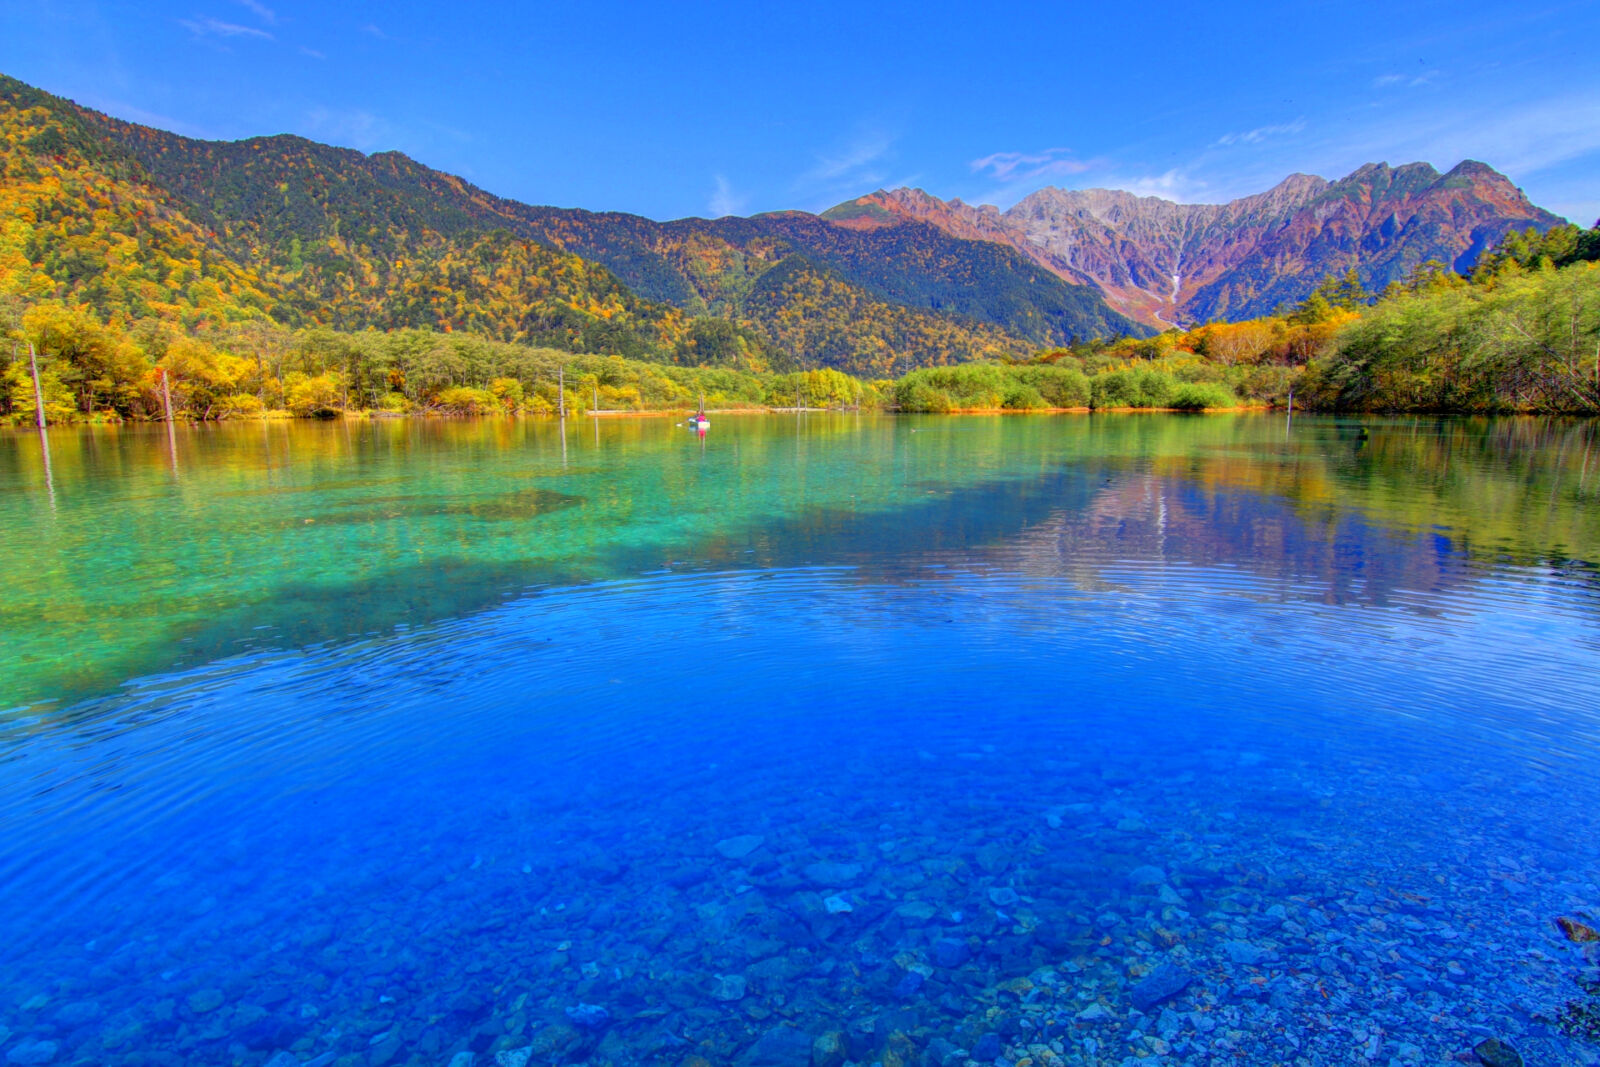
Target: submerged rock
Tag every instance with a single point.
(830, 1049)
(385, 1050)
(32, 1052)
(1577, 932)
(728, 987)
(1243, 952)
(555, 1041)
(909, 984)
(1492, 1052)
(206, 1000)
(950, 952)
(832, 875)
(737, 848)
(1163, 983)
(1003, 897)
(1141, 877)
(588, 1016)
(79, 1013)
(941, 1053)
(782, 1046)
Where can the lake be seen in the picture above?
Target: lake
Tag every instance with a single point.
(1057, 740)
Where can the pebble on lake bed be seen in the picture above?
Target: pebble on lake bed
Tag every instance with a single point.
(737, 848)
(728, 987)
(206, 1000)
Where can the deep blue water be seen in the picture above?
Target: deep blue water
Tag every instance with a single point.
(1008, 748)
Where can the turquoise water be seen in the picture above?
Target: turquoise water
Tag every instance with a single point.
(834, 739)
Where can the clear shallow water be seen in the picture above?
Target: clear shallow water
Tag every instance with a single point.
(1307, 717)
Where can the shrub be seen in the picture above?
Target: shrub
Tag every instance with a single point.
(508, 392)
(1197, 396)
(1154, 388)
(240, 405)
(1020, 397)
(460, 400)
(308, 396)
(1114, 389)
(920, 396)
(969, 385)
(1058, 386)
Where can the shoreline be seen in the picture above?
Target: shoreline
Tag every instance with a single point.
(680, 413)
(684, 413)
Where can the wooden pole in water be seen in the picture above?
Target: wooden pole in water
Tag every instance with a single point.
(38, 393)
(596, 384)
(49, 478)
(561, 391)
(172, 434)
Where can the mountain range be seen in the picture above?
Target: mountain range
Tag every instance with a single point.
(1181, 264)
(136, 223)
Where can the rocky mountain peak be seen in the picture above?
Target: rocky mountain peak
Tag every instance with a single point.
(1163, 263)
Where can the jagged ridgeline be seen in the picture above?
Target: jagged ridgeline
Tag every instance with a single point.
(138, 223)
(1165, 263)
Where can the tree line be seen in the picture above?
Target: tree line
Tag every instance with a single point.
(1521, 333)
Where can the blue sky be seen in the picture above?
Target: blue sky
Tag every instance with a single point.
(704, 109)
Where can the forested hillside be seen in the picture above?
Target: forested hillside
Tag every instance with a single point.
(304, 235)
(87, 227)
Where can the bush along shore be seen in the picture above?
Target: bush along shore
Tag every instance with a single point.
(1522, 334)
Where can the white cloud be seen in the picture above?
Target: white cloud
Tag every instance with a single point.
(850, 167)
(1391, 81)
(372, 29)
(866, 149)
(210, 27)
(312, 52)
(353, 127)
(1177, 185)
(260, 10)
(1519, 138)
(133, 113)
(1031, 166)
(724, 201)
(1263, 133)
